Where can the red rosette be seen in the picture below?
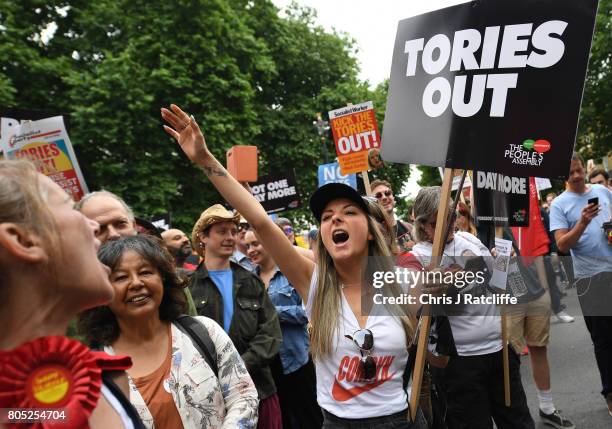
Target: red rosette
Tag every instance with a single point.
(51, 372)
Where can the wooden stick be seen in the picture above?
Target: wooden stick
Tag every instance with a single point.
(366, 183)
(504, 331)
(425, 322)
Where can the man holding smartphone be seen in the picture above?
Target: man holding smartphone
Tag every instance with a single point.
(576, 218)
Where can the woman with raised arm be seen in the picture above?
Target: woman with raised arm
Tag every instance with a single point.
(359, 358)
(49, 272)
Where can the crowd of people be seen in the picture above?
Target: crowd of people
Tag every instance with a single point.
(235, 325)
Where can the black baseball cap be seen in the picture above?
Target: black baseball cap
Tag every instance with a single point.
(333, 191)
(146, 227)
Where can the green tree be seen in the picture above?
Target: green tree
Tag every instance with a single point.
(595, 128)
(430, 176)
(247, 75)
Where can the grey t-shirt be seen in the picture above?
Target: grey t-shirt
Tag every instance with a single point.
(592, 254)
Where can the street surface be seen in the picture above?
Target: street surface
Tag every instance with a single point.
(575, 379)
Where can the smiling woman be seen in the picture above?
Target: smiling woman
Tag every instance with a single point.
(171, 380)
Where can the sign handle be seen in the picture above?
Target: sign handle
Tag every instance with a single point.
(366, 183)
(504, 332)
(425, 322)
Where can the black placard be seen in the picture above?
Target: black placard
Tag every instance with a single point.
(522, 63)
(277, 192)
(500, 200)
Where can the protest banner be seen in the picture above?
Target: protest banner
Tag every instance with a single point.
(522, 65)
(46, 143)
(493, 85)
(500, 200)
(278, 192)
(356, 136)
(499, 276)
(542, 183)
(330, 173)
(162, 221)
(467, 183)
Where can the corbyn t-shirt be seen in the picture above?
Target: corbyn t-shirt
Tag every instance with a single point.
(340, 388)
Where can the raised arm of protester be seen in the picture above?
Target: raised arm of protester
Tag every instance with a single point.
(185, 130)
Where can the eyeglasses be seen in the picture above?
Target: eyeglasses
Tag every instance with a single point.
(243, 227)
(379, 195)
(364, 340)
(288, 230)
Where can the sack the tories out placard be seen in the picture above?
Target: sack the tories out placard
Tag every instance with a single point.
(356, 136)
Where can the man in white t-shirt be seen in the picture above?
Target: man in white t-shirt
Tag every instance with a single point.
(473, 380)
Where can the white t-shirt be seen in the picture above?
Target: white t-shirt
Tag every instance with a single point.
(337, 390)
(476, 334)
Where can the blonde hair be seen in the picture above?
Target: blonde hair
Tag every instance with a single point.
(24, 202)
(327, 299)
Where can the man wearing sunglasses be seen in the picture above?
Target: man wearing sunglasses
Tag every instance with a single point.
(239, 255)
(381, 190)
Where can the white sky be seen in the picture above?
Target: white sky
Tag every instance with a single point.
(373, 25)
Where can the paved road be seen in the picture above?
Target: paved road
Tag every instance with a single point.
(575, 378)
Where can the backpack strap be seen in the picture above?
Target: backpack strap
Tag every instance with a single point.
(201, 339)
(123, 400)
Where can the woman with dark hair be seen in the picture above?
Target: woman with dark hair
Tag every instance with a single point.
(171, 383)
(359, 358)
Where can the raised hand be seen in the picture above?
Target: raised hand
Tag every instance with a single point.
(184, 129)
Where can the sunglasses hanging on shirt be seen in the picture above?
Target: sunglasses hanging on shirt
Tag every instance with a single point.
(364, 340)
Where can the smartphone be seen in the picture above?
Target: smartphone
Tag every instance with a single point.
(594, 200)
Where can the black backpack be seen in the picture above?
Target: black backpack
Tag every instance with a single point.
(201, 339)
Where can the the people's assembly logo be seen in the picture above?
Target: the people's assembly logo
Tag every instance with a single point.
(531, 152)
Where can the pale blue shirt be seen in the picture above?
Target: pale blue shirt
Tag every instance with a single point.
(224, 280)
(592, 254)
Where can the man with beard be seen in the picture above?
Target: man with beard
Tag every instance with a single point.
(179, 246)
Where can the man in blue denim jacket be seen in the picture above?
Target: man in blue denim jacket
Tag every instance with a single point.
(295, 381)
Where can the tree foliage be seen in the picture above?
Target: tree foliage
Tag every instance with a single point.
(595, 129)
(248, 75)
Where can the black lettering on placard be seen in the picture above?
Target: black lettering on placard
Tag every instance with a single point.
(438, 53)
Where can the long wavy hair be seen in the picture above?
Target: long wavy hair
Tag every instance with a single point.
(327, 299)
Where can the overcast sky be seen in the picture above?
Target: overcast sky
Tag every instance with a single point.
(373, 25)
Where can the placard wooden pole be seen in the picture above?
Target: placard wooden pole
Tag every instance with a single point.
(366, 182)
(425, 322)
(504, 331)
